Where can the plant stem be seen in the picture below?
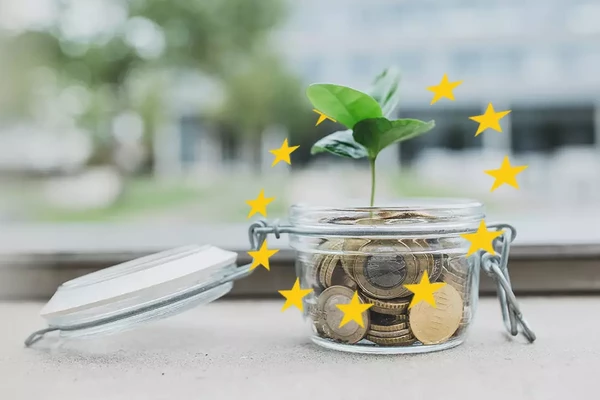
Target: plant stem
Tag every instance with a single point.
(372, 163)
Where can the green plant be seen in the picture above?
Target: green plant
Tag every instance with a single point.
(366, 117)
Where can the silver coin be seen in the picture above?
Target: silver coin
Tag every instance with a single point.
(330, 316)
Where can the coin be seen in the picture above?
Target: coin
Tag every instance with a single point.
(458, 266)
(390, 334)
(329, 316)
(337, 276)
(323, 270)
(424, 259)
(387, 328)
(351, 245)
(386, 319)
(404, 215)
(433, 325)
(383, 275)
(434, 248)
(317, 260)
(405, 340)
(457, 282)
(394, 307)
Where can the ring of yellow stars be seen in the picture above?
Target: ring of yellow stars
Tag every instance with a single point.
(490, 119)
(259, 205)
(283, 153)
(482, 239)
(294, 296)
(506, 174)
(322, 117)
(353, 311)
(444, 89)
(424, 291)
(261, 257)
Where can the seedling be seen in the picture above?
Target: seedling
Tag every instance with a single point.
(366, 117)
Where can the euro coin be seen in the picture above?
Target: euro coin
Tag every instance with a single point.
(390, 334)
(350, 248)
(329, 316)
(458, 266)
(387, 328)
(337, 276)
(386, 319)
(395, 307)
(386, 266)
(434, 325)
(405, 340)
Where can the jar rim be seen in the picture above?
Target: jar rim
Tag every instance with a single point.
(425, 215)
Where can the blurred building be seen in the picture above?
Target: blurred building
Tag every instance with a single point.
(539, 58)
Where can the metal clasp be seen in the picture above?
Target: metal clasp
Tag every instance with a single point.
(496, 267)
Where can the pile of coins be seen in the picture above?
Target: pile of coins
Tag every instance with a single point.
(378, 269)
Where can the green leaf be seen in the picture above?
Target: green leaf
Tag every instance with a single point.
(340, 143)
(346, 105)
(385, 90)
(378, 133)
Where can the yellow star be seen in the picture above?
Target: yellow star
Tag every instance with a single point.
(322, 117)
(424, 291)
(482, 239)
(283, 153)
(259, 205)
(294, 297)
(261, 257)
(444, 89)
(506, 174)
(491, 119)
(353, 311)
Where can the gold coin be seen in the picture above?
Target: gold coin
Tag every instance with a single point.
(404, 215)
(351, 245)
(424, 259)
(317, 261)
(439, 258)
(337, 276)
(389, 334)
(386, 319)
(433, 325)
(458, 283)
(405, 340)
(393, 306)
(387, 328)
(323, 270)
(329, 316)
(458, 266)
(386, 266)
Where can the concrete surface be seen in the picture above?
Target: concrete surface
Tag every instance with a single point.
(250, 350)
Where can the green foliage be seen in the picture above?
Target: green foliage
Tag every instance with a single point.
(346, 105)
(367, 116)
(376, 134)
(385, 90)
(340, 143)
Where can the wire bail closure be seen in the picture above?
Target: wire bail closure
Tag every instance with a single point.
(494, 265)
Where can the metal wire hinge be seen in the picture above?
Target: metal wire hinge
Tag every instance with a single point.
(494, 265)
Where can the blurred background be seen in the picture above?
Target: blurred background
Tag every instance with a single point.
(136, 125)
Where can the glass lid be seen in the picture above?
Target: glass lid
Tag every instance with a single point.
(148, 288)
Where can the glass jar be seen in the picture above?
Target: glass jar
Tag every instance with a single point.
(417, 239)
(359, 262)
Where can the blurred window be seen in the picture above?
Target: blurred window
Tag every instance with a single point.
(453, 132)
(547, 129)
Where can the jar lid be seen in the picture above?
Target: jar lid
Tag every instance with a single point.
(149, 288)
